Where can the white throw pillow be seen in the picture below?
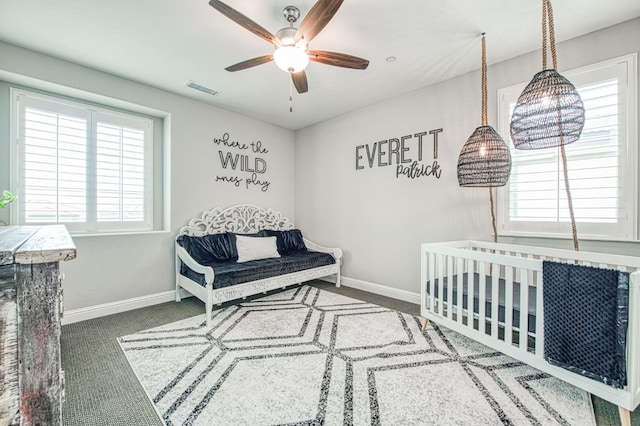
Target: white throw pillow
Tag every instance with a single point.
(256, 248)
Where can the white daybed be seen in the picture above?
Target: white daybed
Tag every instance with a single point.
(242, 219)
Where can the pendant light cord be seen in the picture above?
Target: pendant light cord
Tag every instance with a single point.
(547, 19)
(493, 215)
(485, 122)
(574, 229)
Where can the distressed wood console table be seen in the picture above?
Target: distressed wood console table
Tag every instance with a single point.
(31, 377)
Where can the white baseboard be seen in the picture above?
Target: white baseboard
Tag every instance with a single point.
(383, 290)
(90, 312)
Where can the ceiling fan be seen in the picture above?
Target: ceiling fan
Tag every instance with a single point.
(292, 52)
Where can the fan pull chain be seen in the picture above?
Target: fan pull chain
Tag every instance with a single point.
(290, 95)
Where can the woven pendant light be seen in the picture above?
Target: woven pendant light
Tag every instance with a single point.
(485, 159)
(549, 112)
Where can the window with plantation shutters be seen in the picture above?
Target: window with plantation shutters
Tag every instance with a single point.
(120, 175)
(602, 164)
(83, 166)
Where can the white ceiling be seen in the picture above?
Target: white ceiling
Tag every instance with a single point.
(164, 43)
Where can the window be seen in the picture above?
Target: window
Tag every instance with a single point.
(86, 167)
(602, 164)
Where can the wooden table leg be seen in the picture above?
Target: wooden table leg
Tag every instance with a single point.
(424, 325)
(625, 416)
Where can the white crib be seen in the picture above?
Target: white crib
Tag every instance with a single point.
(510, 265)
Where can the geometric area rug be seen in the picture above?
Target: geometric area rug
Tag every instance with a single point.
(306, 356)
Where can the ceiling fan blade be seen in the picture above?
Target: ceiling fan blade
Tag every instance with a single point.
(338, 59)
(250, 63)
(243, 21)
(317, 18)
(300, 81)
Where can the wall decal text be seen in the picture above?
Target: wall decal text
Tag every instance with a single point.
(401, 152)
(244, 161)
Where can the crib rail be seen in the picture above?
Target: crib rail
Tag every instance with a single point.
(493, 293)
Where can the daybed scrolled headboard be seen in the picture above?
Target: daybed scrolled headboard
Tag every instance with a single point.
(242, 219)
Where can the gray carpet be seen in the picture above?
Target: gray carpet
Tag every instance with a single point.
(102, 389)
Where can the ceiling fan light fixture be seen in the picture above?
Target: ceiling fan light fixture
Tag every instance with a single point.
(287, 36)
(291, 58)
(292, 44)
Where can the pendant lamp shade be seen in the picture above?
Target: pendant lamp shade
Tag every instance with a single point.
(485, 159)
(549, 113)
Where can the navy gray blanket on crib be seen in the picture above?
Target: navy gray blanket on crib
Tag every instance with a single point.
(586, 313)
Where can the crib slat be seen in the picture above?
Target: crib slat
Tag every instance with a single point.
(539, 316)
(470, 293)
(440, 278)
(423, 281)
(524, 308)
(495, 300)
(449, 261)
(459, 287)
(508, 305)
(431, 278)
(482, 279)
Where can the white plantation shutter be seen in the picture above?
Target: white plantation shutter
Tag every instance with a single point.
(54, 172)
(537, 189)
(601, 164)
(120, 173)
(83, 166)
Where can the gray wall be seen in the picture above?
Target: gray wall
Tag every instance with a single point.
(119, 267)
(380, 220)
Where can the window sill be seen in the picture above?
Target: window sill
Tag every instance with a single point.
(116, 234)
(627, 248)
(568, 237)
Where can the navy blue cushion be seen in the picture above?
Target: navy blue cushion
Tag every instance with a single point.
(208, 248)
(228, 273)
(288, 241)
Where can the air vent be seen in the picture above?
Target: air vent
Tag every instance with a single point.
(201, 88)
